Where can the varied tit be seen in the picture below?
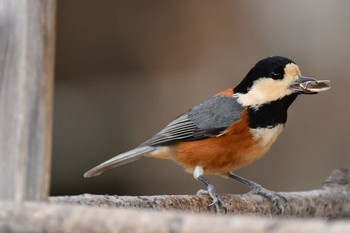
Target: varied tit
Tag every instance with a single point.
(231, 129)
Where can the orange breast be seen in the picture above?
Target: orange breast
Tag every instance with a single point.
(234, 149)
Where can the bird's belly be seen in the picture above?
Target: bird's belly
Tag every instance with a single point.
(235, 149)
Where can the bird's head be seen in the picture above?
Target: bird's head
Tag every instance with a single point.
(274, 78)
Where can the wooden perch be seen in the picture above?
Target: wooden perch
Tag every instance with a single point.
(332, 200)
(98, 213)
(42, 217)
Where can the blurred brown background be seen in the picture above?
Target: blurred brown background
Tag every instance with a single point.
(126, 68)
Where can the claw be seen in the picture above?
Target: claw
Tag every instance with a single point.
(276, 199)
(202, 192)
(217, 201)
(219, 204)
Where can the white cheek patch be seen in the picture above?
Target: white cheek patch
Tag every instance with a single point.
(265, 90)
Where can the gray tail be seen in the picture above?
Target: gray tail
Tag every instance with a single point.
(119, 160)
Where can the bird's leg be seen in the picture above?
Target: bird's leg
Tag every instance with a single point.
(276, 199)
(211, 190)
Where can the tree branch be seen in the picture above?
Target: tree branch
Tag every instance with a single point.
(94, 213)
(43, 217)
(332, 200)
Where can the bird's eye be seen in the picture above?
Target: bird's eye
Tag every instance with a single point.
(276, 75)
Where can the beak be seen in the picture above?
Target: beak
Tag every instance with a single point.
(307, 85)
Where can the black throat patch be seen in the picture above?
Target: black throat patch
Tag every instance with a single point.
(270, 114)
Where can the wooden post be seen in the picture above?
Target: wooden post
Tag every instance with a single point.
(27, 38)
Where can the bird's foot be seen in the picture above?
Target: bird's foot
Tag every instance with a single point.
(276, 199)
(217, 201)
(211, 190)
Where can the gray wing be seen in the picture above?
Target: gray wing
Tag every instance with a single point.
(208, 119)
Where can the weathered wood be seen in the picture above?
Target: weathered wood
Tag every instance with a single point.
(42, 217)
(52, 217)
(27, 37)
(331, 201)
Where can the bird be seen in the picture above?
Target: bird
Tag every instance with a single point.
(230, 130)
